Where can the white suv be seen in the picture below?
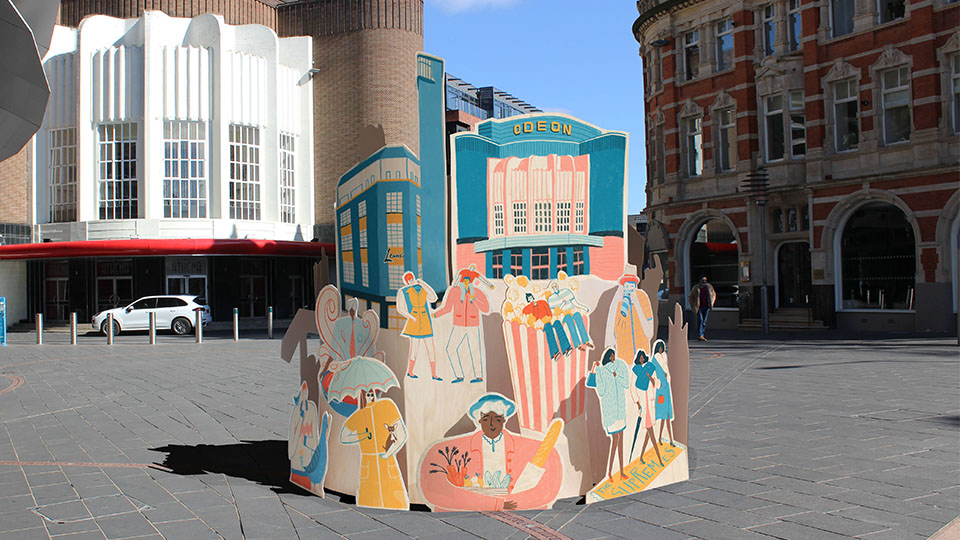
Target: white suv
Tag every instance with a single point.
(177, 313)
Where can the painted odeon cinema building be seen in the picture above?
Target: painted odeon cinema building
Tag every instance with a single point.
(524, 192)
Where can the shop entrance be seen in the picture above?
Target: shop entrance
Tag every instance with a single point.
(253, 296)
(114, 284)
(793, 275)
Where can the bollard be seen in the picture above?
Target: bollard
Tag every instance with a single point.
(73, 327)
(153, 328)
(39, 328)
(198, 327)
(236, 325)
(270, 322)
(110, 329)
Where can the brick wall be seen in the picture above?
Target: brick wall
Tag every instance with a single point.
(15, 188)
(233, 11)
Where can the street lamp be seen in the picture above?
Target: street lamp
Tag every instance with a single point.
(756, 185)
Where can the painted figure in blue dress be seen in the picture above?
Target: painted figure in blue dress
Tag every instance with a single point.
(610, 380)
(645, 395)
(307, 443)
(664, 399)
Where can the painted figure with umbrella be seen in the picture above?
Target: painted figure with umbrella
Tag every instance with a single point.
(377, 427)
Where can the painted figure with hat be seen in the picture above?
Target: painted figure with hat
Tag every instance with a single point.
(492, 468)
(413, 303)
(630, 322)
(466, 302)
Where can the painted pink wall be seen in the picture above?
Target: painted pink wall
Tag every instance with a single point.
(607, 262)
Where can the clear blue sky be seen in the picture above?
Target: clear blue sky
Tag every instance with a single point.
(576, 57)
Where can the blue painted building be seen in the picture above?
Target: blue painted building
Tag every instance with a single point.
(538, 194)
(391, 210)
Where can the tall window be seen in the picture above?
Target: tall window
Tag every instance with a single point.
(395, 238)
(561, 259)
(841, 11)
(563, 216)
(498, 219)
(496, 265)
(63, 174)
(419, 241)
(768, 14)
(845, 108)
(724, 44)
(578, 221)
(540, 263)
(520, 217)
(184, 169)
(794, 25)
(694, 146)
(691, 55)
(346, 246)
(774, 126)
(955, 81)
(363, 234)
(543, 217)
(896, 105)
(516, 262)
(578, 264)
(659, 151)
(288, 207)
(726, 139)
(891, 10)
(798, 124)
(119, 181)
(244, 172)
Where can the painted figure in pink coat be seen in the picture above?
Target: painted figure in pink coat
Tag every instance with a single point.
(479, 471)
(467, 302)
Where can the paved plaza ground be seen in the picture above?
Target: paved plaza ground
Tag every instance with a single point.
(824, 438)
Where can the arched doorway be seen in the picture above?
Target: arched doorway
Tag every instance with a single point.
(878, 259)
(793, 274)
(713, 253)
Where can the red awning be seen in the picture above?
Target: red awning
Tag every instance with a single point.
(155, 247)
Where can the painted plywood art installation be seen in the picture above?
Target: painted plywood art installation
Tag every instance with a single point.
(488, 345)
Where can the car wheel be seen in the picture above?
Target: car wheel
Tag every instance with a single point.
(181, 326)
(116, 327)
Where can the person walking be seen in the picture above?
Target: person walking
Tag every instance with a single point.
(702, 297)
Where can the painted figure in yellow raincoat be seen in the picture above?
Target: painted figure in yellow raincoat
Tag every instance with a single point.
(630, 322)
(379, 430)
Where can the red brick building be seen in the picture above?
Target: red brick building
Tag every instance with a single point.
(853, 110)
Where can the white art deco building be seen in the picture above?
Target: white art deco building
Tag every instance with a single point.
(173, 151)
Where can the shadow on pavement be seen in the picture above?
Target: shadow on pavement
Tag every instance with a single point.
(263, 462)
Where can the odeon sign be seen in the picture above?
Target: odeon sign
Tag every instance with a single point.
(541, 126)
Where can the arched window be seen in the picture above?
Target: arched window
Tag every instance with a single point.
(713, 253)
(878, 259)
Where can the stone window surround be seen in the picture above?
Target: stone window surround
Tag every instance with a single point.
(841, 71)
(866, 17)
(944, 56)
(890, 58)
(691, 110)
(654, 178)
(772, 79)
(723, 101)
(706, 25)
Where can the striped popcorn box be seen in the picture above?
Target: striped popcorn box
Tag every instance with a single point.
(543, 389)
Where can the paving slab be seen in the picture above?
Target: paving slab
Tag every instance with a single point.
(792, 438)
